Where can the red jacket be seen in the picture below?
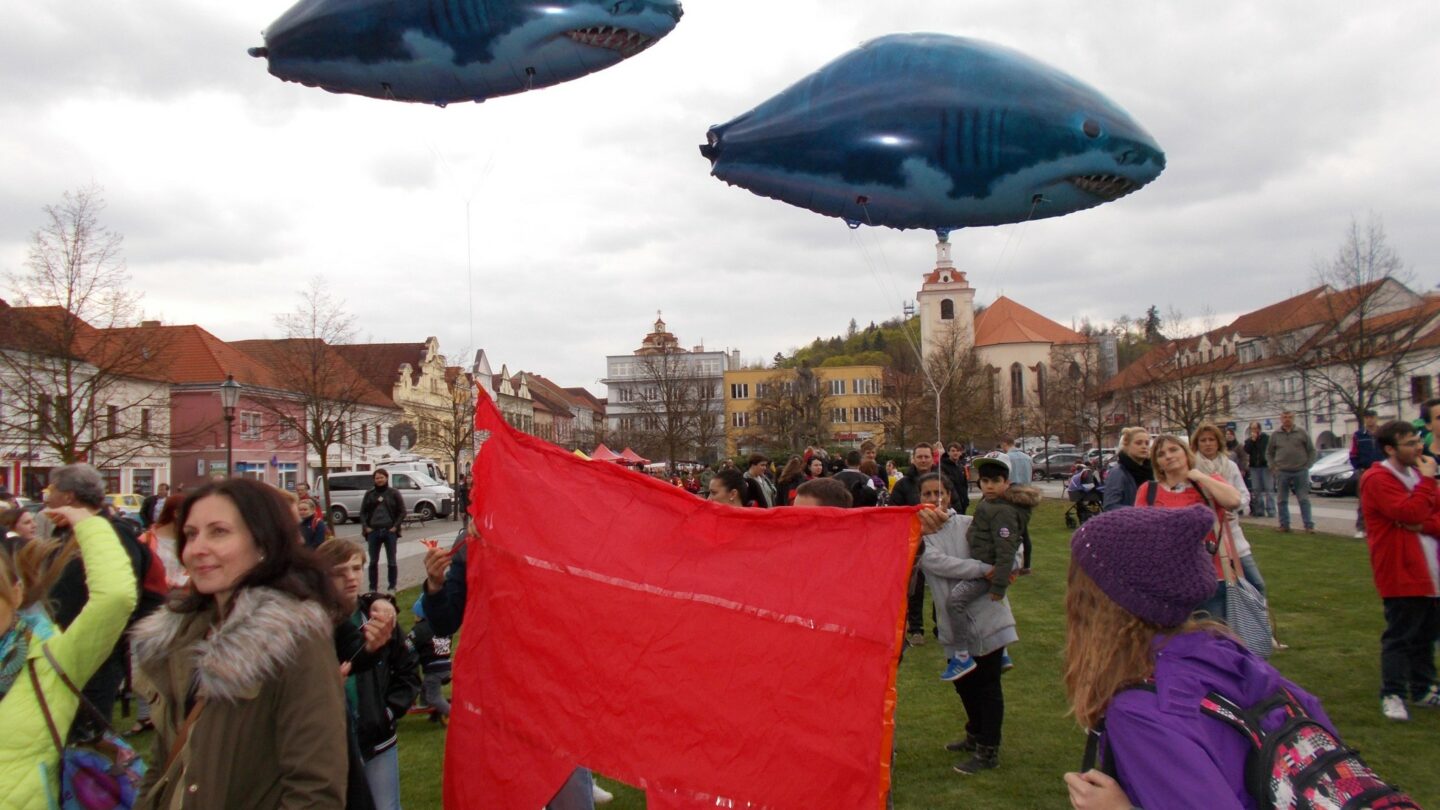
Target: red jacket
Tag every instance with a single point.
(1396, 553)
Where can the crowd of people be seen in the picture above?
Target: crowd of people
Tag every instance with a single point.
(270, 678)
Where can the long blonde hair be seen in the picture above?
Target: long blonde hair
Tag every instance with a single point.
(1108, 648)
(27, 578)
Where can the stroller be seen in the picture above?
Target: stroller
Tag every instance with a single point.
(1085, 496)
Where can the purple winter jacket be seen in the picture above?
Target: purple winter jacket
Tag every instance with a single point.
(1171, 756)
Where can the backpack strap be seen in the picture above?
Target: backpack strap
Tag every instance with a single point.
(45, 708)
(1098, 753)
(1150, 492)
(103, 722)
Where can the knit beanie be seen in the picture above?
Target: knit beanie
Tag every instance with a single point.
(1152, 562)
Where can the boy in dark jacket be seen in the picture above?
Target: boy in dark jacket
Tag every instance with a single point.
(434, 652)
(1000, 528)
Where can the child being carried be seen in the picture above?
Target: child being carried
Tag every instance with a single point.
(1001, 526)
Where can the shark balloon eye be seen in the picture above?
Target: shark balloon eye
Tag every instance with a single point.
(936, 132)
(443, 51)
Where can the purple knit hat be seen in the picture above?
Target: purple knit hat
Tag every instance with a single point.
(1152, 562)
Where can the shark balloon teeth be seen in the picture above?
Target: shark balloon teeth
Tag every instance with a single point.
(938, 132)
(444, 51)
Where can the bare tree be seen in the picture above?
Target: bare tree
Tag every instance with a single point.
(1183, 382)
(671, 400)
(77, 377)
(792, 411)
(455, 435)
(325, 395)
(1371, 332)
(1074, 390)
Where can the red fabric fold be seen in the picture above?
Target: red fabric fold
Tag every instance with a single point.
(702, 652)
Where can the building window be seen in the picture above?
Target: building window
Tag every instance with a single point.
(837, 416)
(837, 388)
(1419, 389)
(289, 434)
(739, 390)
(1040, 384)
(112, 480)
(112, 420)
(762, 390)
(740, 419)
(249, 425)
(1017, 385)
(144, 423)
(1225, 399)
(947, 309)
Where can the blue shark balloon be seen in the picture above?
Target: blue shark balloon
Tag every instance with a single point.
(938, 132)
(442, 51)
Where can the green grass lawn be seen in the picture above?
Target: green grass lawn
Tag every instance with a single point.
(1327, 611)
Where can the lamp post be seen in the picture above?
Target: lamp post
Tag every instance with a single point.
(229, 398)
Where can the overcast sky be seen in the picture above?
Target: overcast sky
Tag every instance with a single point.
(590, 206)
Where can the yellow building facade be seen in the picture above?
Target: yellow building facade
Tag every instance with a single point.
(850, 399)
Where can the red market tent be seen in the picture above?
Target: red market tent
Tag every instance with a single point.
(629, 456)
(603, 453)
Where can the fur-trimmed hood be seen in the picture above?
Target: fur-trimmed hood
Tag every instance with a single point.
(259, 639)
(1023, 495)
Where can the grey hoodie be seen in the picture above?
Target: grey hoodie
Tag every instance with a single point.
(945, 561)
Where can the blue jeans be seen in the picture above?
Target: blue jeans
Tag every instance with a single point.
(382, 773)
(1251, 572)
(578, 793)
(1298, 482)
(1262, 492)
(375, 540)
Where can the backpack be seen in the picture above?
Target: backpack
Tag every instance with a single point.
(1298, 765)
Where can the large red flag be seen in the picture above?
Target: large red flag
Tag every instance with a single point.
(717, 657)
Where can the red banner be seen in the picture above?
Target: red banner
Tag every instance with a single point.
(714, 656)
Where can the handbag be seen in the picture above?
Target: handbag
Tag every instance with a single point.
(1245, 608)
(99, 774)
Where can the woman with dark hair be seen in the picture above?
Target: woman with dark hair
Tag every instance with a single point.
(17, 527)
(814, 468)
(789, 480)
(240, 670)
(1139, 669)
(1262, 483)
(730, 488)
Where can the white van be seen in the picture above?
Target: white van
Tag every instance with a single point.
(424, 496)
(416, 464)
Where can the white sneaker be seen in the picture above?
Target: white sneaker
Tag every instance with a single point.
(1394, 708)
(603, 796)
(1359, 535)
(1431, 700)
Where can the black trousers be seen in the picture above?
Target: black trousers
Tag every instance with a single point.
(915, 603)
(984, 699)
(1407, 647)
(387, 539)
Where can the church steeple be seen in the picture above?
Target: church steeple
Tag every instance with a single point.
(942, 254)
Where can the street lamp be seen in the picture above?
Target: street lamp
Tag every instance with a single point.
(229, 398)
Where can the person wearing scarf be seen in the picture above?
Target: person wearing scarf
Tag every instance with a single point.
(1130, 470)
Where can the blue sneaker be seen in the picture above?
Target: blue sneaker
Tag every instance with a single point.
(1005, 663)
(958, 668)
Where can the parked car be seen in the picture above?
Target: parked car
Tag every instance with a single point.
(1057, 466)
(127, 505)
(424, 496)
(1332, 474)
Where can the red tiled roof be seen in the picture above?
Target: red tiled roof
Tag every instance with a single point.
(1006, 321)
(380, 362)
(287, 358)
(188, 354)
(585, 397)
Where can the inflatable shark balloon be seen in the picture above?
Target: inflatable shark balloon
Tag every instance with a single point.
(938, 132)
(441, 51)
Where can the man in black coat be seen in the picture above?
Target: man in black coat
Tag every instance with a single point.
(907, 493)
(952, 466)
(151, 506)
(382, 513)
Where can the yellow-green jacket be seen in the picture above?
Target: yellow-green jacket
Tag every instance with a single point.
(29, 763)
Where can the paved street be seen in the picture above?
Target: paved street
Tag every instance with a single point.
(410, 554)
(1332, 515)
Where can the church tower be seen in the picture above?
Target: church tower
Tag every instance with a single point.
(946, 302)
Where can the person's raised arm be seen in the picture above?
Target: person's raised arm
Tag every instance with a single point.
(110, 579)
